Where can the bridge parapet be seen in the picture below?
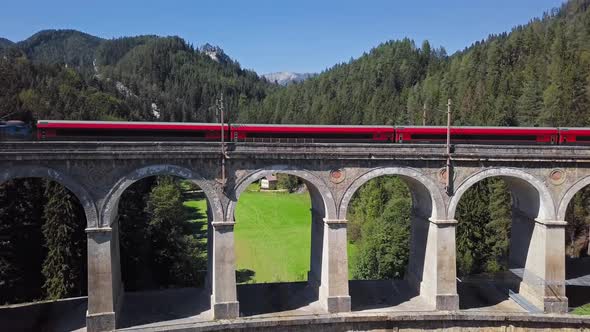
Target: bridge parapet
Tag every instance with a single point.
(542, 180)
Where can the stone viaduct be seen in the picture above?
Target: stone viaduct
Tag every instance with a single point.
(542, 179)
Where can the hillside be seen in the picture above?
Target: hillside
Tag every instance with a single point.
(182, 81)
(138, 78)
(74, 48)
(535, 75)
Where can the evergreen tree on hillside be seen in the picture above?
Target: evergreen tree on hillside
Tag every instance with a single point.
(473, 216)
(166, 215)
(64, 267)
(158, 247)
(385, 249)
(498, 228)
(379, 224)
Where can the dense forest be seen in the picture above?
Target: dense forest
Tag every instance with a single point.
(536, 75)
(67, 74)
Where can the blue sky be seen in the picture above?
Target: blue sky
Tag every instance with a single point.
(269, 36)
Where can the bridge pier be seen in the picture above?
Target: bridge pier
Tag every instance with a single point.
(333, 293)
(105, 288)
(432, 266)
(224, 301)
(543, 276)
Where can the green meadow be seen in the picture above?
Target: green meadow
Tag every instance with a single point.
(272, 235)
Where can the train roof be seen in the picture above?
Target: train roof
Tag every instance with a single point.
(308, 126)
(127, 123)
(477, 127)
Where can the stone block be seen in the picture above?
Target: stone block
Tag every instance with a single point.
(226, 310)
(336, 304)
(100, 322)
(448, 302)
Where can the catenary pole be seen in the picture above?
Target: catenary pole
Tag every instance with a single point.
(449, 187)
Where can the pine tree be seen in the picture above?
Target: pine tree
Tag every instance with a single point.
(530, 103)
(498, 228)
(473, 216)
(64, 267)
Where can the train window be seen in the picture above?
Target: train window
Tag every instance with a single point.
(401, 138)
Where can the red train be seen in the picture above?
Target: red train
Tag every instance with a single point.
(108, 130)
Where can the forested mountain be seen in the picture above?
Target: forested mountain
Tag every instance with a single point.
(535, 75)
(66, 74)
(69, 47)
(181, 81)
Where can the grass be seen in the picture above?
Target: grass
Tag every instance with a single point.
(199, 210)
(195, 206)
(272, 236)
(582, 310)
(352, 249)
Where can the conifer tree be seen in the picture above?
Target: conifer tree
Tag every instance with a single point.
(64, 266)
(498, 228)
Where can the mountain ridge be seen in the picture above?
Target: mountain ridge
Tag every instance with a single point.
(5, 42)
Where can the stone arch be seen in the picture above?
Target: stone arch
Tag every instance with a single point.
(521, 183)
(110, 207)
(48, 173)
(427, 198)
(315, 185)
(569, 194)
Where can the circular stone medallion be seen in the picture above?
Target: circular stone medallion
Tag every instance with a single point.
(337, 175)
(557, 176)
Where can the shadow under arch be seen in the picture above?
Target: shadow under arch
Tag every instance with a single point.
(110, 207)
(289, 295)
(531, 205)
(427, 205)
(77, 189)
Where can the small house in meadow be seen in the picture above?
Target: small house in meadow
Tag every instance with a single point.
(269, 183)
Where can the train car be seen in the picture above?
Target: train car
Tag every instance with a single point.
(129, 131)
(312, 133)
(574, 136)
(15, 130)
(478, 135)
